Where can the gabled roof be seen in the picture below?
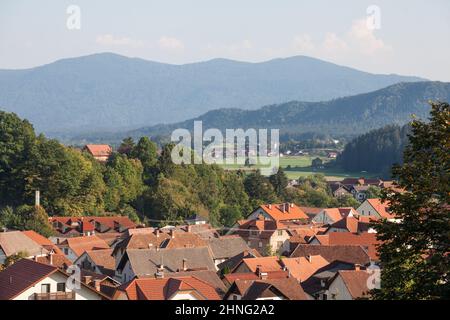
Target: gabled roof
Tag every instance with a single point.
(232, 262)
(368, 241)
(99, 150)
(355, 282)
(288, 288)
(57, 260)
(227, 246)
(183, 240)
(21, 275)
(81, 244)
(142, 240)
(337, 214)
(284, 211)
(354, 254)
(381, 207)
(103, 260)
(42, 241)
(12, 242)
(302, 268)
(146, 261)
(166, 288)
(24, 274)
(232, 277)
(265, 264)
(83, 224)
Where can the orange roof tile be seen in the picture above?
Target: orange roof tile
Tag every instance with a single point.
(265, 263)
(81, 244)
(304, 267)
(284, 211)
(99, 150)
(381, 208)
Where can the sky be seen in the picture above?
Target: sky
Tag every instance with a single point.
(379, 36)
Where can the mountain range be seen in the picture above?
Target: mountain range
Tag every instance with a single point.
(109, 92)
(343, 117)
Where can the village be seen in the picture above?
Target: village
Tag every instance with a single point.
(280, 251)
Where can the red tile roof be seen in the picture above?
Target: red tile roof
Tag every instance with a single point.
(266, 264)
(165, 289)
(99, 150)
(381, 208)
(42, 241)
(355, 282)
(284, 211)
(304, 267)
(81, 244)
(367, 240)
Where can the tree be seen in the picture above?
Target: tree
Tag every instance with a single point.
(126, 147)
(373, 192)
(259, 189)
(9, 261)
(415, 251)
(229, 215)
(34, 218)
(146, 151)
(279, 182)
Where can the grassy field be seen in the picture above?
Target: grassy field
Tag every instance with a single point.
(296, 166)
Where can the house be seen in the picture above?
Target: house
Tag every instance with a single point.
(173, 288)
(349, 285)
(368, 241)
(100, 152)
(353, 254)
(317, 163)
(266, 236)
(232, 262)
(310, 211)
(332, 155)
(226, 247)
(301, 268)
(30, 280)
(279, 212)
(182, 240)
(66, 227)
(350, 223)
(332, 215)
(258, 265)
(100, 282)
(376, 209)
(98, 261)
(268, 289)
(75, 247)
(152, 262)
(14, 242)
(317, 285)
(339, 190)
(302, 235)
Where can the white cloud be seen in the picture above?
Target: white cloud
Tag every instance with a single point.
(110, 40)
(364, 39)
(333, 42)
(170, 43)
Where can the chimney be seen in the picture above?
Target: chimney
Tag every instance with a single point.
(160, 272)
(309, 257)
(184, 264)
(157, 233)
(270, 206)
(37, 198)
(357, 267)
(50, 258)
(245, 253)
(288, 207)
(189, 228)
(87, 279)
(172, 233)
(150, 245)
(97, 284)
(35, 258)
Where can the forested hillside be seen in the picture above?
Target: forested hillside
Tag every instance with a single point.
(135, 181)
(345, 117)
(375, 151)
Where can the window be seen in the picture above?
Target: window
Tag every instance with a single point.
(45, 288)
(279, 244)
(61, 287)
(260, 244)
(66, 251)
(280, 232)
(254, 233)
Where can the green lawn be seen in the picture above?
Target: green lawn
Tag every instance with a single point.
(301, 166)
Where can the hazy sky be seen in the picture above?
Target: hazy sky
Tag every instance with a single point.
(413, 37)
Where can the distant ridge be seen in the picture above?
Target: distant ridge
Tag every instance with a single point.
(110, 92)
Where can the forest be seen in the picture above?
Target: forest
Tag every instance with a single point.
(138, 181)
(375, 151)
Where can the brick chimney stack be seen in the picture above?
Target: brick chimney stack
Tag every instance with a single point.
(184, 264)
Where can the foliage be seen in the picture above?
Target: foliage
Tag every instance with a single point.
(415, 252)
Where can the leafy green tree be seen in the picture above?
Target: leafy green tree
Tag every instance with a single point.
(373, 192)
(146, 151)
(17, 138)
(35, 218)
(123, 178)
(415, 251)
(127, 146)
(9, 261)
(279, 182)
(259, 189)
(229, 215)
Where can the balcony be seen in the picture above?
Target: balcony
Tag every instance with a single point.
(55, 296)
